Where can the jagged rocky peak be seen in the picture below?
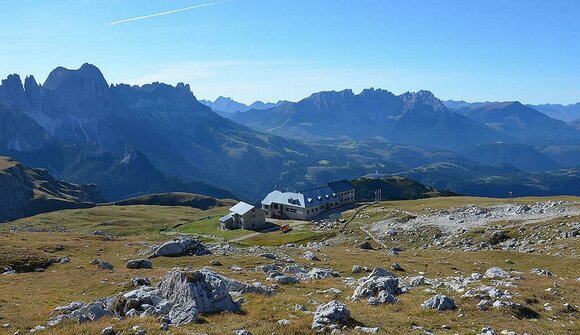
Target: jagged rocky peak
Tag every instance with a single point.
(11, 89)
(86, 77)
(422, 99)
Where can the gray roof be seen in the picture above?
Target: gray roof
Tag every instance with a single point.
(340, 186)
(241, 208)
(226, 218)
(305, 199)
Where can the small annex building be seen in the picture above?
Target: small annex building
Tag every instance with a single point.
(243, 216)
(307, 204)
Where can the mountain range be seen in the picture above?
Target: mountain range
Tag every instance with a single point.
(566, 113)
(226, 106)
(157, 138)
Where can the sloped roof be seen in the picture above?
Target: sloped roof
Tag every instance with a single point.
(340, 186)
(304, 199)
(287, 198)
(226, 218)
(241, 208)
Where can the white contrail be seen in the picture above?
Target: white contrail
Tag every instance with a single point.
(166, 13)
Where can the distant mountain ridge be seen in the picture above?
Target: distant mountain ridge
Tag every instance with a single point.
(566, 113)
(226, 106)
(410, 118)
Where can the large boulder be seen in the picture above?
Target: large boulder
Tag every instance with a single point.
(182, 246)
(380, 286)
(180, 297)
(330, 316)
(195, 292)
(440, 303)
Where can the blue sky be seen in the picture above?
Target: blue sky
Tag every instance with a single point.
(474, 50)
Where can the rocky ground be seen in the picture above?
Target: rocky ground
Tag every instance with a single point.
(397, 268)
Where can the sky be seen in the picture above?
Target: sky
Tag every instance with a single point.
(270, 50)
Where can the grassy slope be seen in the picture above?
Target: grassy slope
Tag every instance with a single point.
(64, 283)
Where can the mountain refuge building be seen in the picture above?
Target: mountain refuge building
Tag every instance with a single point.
(243, 216)
(307, 204)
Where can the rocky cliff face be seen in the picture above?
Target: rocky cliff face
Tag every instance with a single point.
(25, 191)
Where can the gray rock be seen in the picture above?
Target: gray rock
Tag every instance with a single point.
(215, 262)
(496, 272)
(284, 322)
(318, 273)
(380, 286)
(64, 259)
(356, 269)
(269, 255)
(108, 331)
(102, 264)
(309, 255)
(483, 305)
(541, 272)
(439, 302)
(368, 330)
(487, 331)
(286, 280)
(139, 281)
(330, 316)
(365, 246)
(139, 264)
(183, 246)
(195, 292)
(397, 267)
(242, 332)
(416, 281)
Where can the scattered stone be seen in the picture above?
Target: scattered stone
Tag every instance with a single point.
(102, 265)
(37, 329)
(496, 272)
(215, 262)
(439, 302)
(487, 331)
(300, 307)
(541, 272)
(182, 246)
(483, 305)
(365, 246)
(397, 267)
(284, 322)
(416, 281)
(379, 287)
(330, 316)
(139, 281)
(356, 269)
(139, 264)
(309, 255)
(368, 330)
(242, 332)
(63, 259)
(317, 273)
(269, 255)
(108, 331)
